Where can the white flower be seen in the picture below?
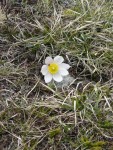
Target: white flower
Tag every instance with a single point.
(54, 69)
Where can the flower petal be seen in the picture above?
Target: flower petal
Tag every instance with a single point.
(59, 59)
(63, 72)
(48, 60)
(57, 77)
(44, 69)
(48, 78)
(64, 65)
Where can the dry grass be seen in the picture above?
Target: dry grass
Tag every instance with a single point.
(36, 116)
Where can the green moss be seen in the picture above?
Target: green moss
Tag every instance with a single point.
(69, 13)
(106, 124)
(54, 132)
(96, 148)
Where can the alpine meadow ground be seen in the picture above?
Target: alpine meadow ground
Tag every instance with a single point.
(39, 116)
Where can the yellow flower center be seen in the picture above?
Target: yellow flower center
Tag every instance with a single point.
(53, 68)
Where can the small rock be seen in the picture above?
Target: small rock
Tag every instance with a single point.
(67, 3)
(66, 82)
